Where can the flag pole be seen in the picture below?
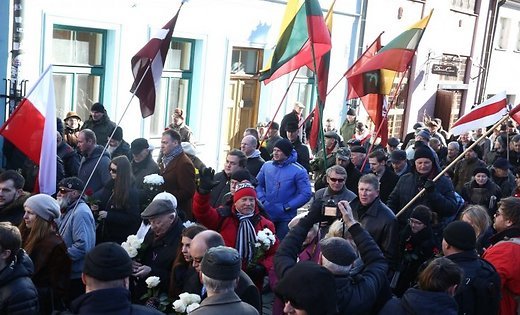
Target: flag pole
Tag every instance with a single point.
(460, 156)
(278, 109)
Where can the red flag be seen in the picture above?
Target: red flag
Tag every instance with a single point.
(485, 114)
(356, 83)
(148, 64)
(36, 137)
(515, 113)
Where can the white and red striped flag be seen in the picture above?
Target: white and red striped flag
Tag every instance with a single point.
(148, 64)
(32, 129)
(483, 115)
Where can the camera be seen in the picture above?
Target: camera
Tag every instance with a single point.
(330, 209)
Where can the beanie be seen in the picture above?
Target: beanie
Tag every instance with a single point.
(285, 146)
(424, 133)
(43, 206)
(108, 261)
(97, 107)
(423, 214)
(460, 234)
(241, 174)
(118, 134)
(482, 170)
(424, 152)
(244, 190)
(221, 263)
(337, 250)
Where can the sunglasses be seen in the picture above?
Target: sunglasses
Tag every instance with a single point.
(337, 180)
(64, 190)
(113, 170)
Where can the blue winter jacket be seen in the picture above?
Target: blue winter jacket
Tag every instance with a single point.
(283, 186)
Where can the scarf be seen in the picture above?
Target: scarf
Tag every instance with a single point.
(246, 237)
(172, 155)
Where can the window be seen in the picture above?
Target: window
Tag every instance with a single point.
(518, 39)
(503, 33)
(303, 90)
(397, 111)
(463, 5)
(245, 61)
(175, 85)
(78, 56)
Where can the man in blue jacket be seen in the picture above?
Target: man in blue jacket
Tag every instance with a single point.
(283, 186)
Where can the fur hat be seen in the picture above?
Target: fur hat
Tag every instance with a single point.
(43, 206)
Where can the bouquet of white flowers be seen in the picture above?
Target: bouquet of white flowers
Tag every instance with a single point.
(152, 186)
(152, 297)
(186, 303)
(132, 245)
(264, 240)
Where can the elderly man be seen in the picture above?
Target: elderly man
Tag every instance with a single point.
(99, 123)
(159, 247)
(254, 160)
(220, 269)
(505, 252)
(273, 135)
(324, 160)
(385, 174)
(76, 227)
(283, 186)
(399, 162)
(200, 244)
(335, 190)
(91, 153)
(376, 217)
(357, 157)
(12, 197)
(178, 172)
(301, 285)
(353, 174)
(106, 277)
(235, 160)
(17, 292)
(178, 124)
(293, 117)
(453, 152)
(465, 167)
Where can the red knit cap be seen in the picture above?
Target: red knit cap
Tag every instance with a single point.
(244, 190)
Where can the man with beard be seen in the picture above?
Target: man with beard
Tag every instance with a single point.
(77, 228)
(99, 123)
(12, 197)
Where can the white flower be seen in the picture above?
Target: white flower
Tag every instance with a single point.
(179, 306)
(153, 179)
(152, 281)
(134, 241)
(188, 298)
(187, 224)
(257, 244)
(192, 307)
(132, 251)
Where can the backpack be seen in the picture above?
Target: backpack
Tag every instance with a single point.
(479, 294)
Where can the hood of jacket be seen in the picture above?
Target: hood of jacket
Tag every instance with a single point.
(290, 159)
(22, 266)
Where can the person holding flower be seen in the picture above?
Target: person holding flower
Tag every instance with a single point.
(119, 214)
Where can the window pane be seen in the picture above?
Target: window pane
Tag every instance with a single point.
(87, 93)
(77, 47)
(244, 61)
(63, 90)
(178, 95)
(62, 47)
(179, 56)
(174, 93)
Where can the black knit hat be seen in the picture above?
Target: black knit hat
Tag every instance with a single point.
(358, 149)
(291, 126)
(482, 170)
(461, 235)
(423, 214)
(424, 152)
(310, 287)
(337, 250)
(241, 174)
(502, 164)
(221, 263)
(118, 134)
(108, 261)
(97, 107)
(285, 146)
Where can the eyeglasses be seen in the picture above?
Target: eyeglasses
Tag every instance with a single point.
(337, 180)
(63, 190)
(113, 170)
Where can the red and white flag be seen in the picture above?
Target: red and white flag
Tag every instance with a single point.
(148, 64)
(483, 115)
(32, 129)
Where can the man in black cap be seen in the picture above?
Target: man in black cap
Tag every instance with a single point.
(301, 149)
(220, 269)
(159, 247)
(479, 292)
(503, 177)
(465, 167)
(117, 146)
(322, 160)
(100, 123)
(273, 135)
(294, 117)
(409, 138)
(348, 129)
(106, 278)
(392, 144)
(311, 288)
(358, 156)
(353, 174)
(399, 162)
(76, 227)
(439, 196)
(142, 161)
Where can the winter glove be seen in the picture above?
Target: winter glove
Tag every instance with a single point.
(207, 181)
(429, 186)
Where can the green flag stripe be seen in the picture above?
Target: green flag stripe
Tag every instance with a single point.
(406, 40)
(292, 40)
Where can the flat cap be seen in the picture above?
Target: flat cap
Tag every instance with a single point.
(221, 263)
(156, 208)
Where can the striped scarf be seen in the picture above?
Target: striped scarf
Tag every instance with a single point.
(246, 237)
(172, 155)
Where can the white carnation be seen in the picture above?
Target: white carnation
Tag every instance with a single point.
(179, 306)
(153, 179)
(131, 251)
(192, 307)
(152, 281)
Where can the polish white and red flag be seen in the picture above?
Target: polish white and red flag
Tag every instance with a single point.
(32, 129)
(148, 64)
(483, 115)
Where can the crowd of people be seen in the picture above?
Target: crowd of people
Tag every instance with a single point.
(352, 228)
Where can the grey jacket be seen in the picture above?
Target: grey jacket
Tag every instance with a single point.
(225, 303)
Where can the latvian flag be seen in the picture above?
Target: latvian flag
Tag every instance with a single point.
(32, 129)
(483, 115)
(148, 64)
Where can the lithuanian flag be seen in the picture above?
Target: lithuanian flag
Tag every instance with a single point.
(377, 74)
(303, 30)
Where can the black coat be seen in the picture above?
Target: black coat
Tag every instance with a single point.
(18, 296)
(70, 158)
(302, 152)
(487, 195)
(122, 149)
(387, 183)
(353, 176)
(14, 211)
(416, 301)
(218, 192)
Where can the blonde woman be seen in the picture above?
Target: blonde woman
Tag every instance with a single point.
(478, 217)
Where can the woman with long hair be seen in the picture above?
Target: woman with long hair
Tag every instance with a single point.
(477, 216)
(182, 269)
(120, 214)
(47, 250)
